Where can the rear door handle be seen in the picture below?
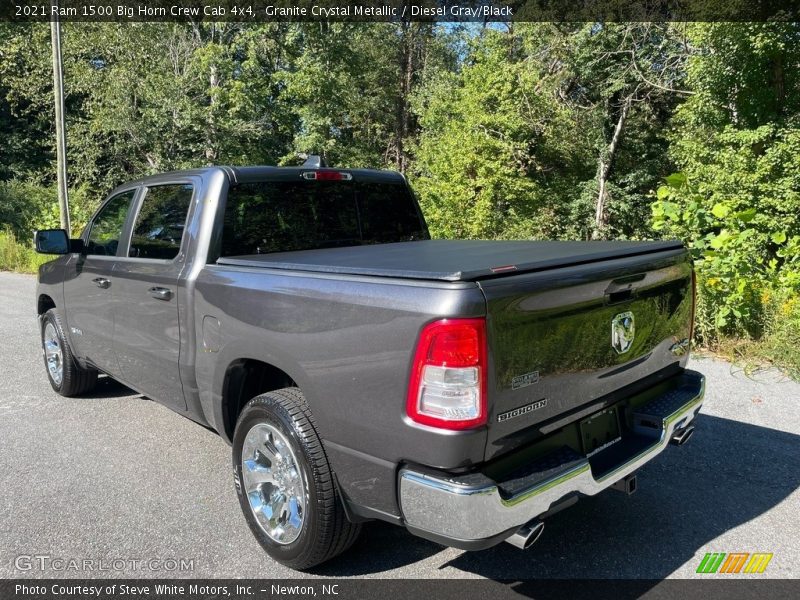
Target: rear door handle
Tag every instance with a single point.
(160, 293)
(102, 282)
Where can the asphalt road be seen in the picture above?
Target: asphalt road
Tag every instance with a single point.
(117, 476)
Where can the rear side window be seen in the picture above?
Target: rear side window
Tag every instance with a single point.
(159, 225)
(279, 216)
(107, 225)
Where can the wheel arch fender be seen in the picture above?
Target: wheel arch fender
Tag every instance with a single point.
(247, 368)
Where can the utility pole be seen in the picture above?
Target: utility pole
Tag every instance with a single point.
(61, 139)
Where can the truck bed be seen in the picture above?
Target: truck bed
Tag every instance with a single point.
(449, 260)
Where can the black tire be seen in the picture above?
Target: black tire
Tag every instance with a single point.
(75, 380)
(325, 531)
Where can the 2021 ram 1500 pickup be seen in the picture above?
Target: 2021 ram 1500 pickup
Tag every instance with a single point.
(463, 389)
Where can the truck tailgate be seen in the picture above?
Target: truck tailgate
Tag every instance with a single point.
(563, 343)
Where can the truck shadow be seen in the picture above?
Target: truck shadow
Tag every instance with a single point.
(728, 474)
(108, 388)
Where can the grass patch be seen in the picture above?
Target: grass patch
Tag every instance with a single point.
(779, 347)
(17, 256)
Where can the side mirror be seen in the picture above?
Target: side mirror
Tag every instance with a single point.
(52, 241)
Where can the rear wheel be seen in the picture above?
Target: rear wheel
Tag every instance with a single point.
(285, 484)
(66, 376)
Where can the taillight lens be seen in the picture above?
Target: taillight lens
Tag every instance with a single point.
(448, 376)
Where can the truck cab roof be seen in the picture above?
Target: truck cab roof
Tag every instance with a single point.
(249, 174)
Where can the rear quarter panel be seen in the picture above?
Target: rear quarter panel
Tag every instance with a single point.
(348, 343)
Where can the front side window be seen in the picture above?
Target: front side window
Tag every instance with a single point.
(159, 225)
(107, 225)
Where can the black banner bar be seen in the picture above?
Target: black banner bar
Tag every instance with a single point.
(485, 11)
(716, 587)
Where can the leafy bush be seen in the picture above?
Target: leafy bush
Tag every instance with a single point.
(748, 266)
(746, 253)
(736, 201)
(23, 207)
(18, 256)
(26, 207)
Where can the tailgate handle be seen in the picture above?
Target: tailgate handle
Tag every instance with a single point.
(621, 290)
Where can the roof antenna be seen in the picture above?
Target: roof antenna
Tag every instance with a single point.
(313, 161)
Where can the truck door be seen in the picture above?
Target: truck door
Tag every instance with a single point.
(89, 284)
(146, 320)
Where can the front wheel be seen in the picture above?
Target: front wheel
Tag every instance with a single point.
(285, 484)
(66, 376)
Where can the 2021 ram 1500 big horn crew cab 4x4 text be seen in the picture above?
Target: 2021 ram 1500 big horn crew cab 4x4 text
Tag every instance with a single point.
(359, 369)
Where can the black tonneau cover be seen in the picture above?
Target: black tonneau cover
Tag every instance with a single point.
(448, 260)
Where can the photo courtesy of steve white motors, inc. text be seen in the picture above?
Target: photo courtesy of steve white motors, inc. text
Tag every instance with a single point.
(177, 590)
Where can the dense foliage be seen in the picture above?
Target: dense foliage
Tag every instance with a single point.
(538, 130)
(736, 197)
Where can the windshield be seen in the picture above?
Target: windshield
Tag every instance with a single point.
(282, 216)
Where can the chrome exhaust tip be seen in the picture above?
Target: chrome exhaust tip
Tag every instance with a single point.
(680, 437)
(526, 535)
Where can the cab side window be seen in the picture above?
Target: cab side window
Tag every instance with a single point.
(159, 225)
(107, 226)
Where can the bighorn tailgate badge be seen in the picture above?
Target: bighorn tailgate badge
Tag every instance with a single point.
(623, 330)
(522, 410)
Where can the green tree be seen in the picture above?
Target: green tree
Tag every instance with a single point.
(628, 77)
(26, 102)
(569, 122)
(141, 98)
(351, 87)
(203, 94)
(488, 143)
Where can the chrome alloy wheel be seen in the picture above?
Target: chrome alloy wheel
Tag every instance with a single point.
(274, 483)
(53, 355)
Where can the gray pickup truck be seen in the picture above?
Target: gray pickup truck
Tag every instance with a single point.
(465, 390)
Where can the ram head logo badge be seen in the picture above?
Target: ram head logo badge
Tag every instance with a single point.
(623, 330)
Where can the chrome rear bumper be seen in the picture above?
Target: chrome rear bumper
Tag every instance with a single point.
(471, 512)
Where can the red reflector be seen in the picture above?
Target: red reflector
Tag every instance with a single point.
(327, 176)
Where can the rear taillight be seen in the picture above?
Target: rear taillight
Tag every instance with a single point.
(448, 376)
(327, 176)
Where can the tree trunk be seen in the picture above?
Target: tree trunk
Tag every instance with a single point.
(211, 129)
(408, 83)
(404, 124)
(604, 171)
(778, 84)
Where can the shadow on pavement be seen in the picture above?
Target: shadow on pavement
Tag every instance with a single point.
(108, 387)
(728, 474)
